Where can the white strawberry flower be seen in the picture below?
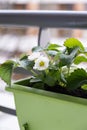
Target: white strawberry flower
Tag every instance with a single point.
(34, 56)
(41, 63)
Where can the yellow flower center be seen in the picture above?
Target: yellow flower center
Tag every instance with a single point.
(41, 63)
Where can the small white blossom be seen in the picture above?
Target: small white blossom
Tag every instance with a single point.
(34, 56)
(41, 63)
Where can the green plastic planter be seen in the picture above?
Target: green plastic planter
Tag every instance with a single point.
(42, 110)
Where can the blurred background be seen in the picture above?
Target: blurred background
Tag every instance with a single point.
(14, 41)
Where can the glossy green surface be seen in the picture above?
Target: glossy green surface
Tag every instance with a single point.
(49, 111)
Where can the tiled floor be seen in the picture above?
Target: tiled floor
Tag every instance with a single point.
(8, 122)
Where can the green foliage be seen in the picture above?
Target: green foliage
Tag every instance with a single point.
(52, 77)
(37, 48)
(80, 59)
(26, 127)
(73, 42)
(6, 71)
(53, 47)
(35, 80)
(67, 59)
(49, 80)
(52, 53)
(77, 79)
(25, 63)
(84, 87)
(23, 57)
(54, 67)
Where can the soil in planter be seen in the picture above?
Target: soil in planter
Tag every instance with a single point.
(58, 89)
(77, 93)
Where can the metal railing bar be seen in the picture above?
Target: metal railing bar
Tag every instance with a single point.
(8, 110)
(63, 19)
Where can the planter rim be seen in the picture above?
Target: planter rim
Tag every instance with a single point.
(16, 88)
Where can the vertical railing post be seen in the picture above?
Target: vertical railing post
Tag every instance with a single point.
(43, 37)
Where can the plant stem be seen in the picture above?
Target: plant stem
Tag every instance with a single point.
(60, 69)
(35, 74)
(68, 71)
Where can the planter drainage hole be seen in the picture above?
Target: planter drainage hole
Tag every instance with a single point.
(26, 127)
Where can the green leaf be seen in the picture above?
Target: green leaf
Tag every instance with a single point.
(6, 71)
(26, 64)
(84, 87)
(49, 80)
(35, 80)
(63, 78)
(26, 127)
(80, 59)
(52, 53)
(67, 59)
(72, 42)
(25, 81)
(53, 47)
(57, 56)
(38, 85)
(52, 77)
(77, 79)
(37, 49)
(23, 57)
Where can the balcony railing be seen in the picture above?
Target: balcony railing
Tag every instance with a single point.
(43, 20)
